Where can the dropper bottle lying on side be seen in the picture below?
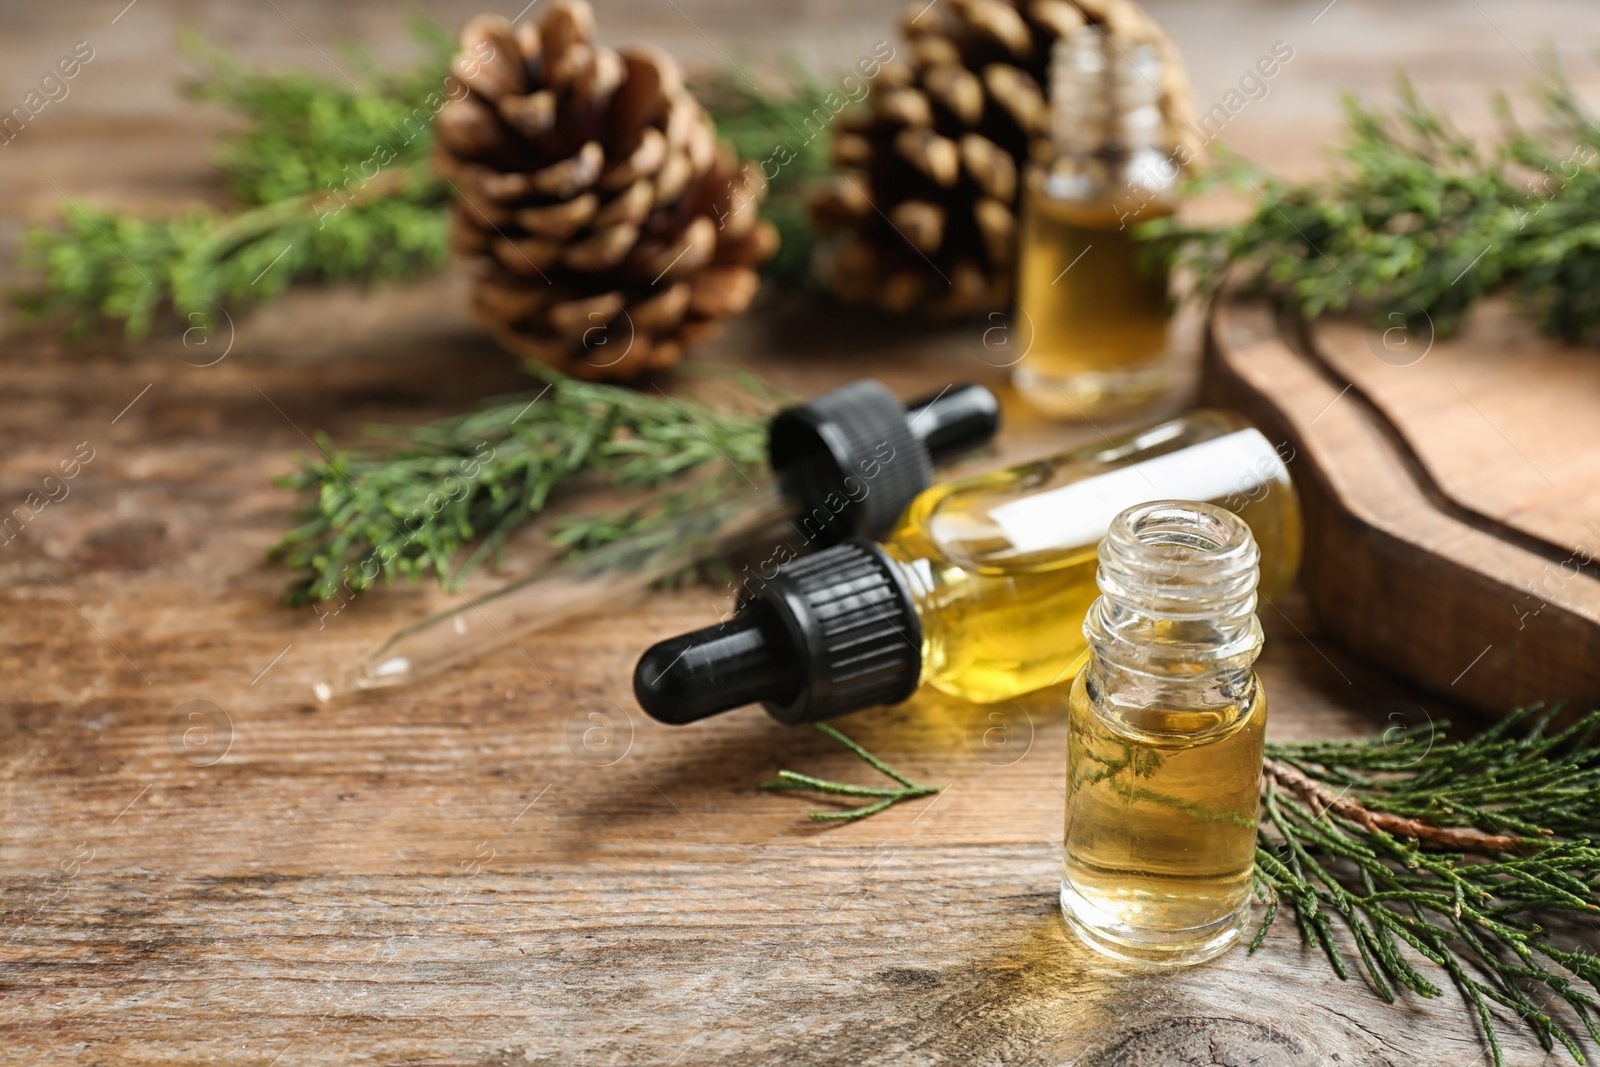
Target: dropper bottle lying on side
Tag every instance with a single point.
(981, 589)
(846, 464)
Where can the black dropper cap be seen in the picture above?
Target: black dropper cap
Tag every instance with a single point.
(853, 459)
(834, 632)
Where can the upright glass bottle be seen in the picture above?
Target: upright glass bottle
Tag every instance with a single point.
(1164, 741)
(1096, 301)
(980, 591)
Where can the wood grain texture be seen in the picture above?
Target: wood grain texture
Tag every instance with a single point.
(456, 874)
(1436, 542)
(1501, 418)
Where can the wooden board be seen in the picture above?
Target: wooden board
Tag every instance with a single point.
(1451, 489)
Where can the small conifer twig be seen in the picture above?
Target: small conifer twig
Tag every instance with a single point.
(908, 790)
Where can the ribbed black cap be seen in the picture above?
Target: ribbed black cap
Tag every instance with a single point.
(834, 632)
(853, 459)
(853, 622)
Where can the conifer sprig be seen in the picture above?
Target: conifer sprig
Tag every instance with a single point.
(459, 487)
(1458, 854)
(881, 797)
(1420, 223)
(333, 183)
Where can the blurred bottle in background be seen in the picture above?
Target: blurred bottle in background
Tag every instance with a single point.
(1095, 299)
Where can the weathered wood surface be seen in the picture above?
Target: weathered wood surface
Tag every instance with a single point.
(1451, 490)
(449, 875)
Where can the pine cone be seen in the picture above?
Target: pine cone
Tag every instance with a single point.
(607, 225)
(924, 216)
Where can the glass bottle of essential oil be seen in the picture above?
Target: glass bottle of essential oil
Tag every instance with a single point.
(1096, 301)
(1165, 732)
(979, 591)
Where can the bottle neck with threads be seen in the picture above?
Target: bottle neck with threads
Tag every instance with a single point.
(1174, 636)
(1107, 135)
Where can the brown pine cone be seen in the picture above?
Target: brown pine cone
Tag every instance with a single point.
(607, 225)
(924, 216)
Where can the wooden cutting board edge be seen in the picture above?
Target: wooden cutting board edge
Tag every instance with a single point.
(1559, 383)
(1461, 604)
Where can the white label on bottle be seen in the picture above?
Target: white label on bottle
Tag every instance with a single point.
(1080, 513)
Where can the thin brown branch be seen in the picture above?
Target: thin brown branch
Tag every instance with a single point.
(1455, 839)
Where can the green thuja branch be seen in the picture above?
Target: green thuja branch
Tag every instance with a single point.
(1420, 223)
(332, 183)
(1461, 858)
(461, 486)
(885, 797)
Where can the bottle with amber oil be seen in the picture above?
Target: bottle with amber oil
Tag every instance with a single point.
(979, 591)
(1165, 729)
(1096, 301)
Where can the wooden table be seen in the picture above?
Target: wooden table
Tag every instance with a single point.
(455, 873)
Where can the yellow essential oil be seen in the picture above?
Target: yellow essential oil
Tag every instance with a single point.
(980, 590)
(1095, 299)
(1097, 310)
(1003, 564)
(1166, 724)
